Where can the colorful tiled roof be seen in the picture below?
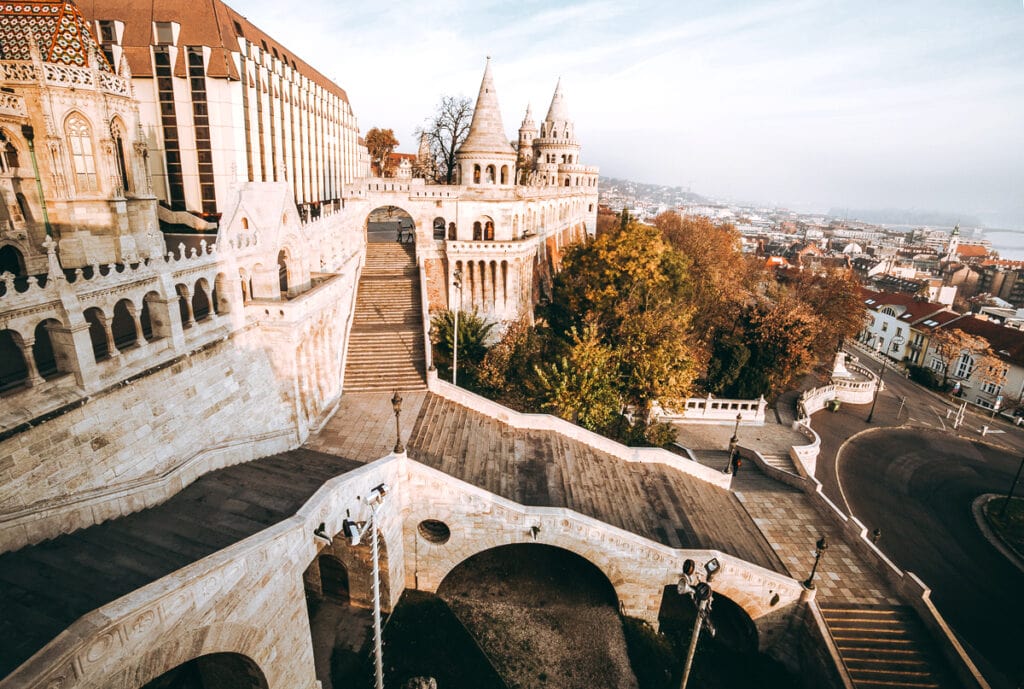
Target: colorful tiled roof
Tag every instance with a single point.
(60, 32)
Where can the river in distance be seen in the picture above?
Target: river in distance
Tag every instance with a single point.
(1009, 243)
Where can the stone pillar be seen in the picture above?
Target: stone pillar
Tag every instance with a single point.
(188, 307)
(25, 346)
(108, 331)
(140, 337)
(72, 348)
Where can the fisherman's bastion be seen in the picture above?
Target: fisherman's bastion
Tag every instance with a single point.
(200, 348)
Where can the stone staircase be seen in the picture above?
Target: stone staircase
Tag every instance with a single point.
(782, 462)
(886, 647)
(385, 348)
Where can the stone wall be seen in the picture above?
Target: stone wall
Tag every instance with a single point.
(218, 406)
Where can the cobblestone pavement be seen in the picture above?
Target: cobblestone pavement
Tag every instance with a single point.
(363, 428)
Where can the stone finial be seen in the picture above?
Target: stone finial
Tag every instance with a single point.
(202, 247)
(181, 250)
(53, 268)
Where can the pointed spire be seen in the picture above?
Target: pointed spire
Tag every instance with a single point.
(486, 132)
(528, 118)
(557, 112)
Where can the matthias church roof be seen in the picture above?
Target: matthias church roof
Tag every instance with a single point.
(60, 32)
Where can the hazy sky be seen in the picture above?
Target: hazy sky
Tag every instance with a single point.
(806, 103)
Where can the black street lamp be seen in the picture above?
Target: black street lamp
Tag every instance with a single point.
(702, 596)
(819, 549)
(894, 343)
(396, 404)
(457, 281)
(733, 441)
(1013, 486)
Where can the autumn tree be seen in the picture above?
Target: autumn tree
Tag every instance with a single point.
(630, 288)
(834, 295)
(947, 346)
(508, 370)
(381, 144)
(583, 386)
(990, 372)
(445, 131)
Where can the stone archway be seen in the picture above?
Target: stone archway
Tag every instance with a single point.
(212, 671)
(390, 224)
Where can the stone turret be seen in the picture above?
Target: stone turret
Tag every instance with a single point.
(486, 157)
(527, 132)
(556, 152)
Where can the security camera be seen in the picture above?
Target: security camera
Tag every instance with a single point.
(353, 531)
(376, 495)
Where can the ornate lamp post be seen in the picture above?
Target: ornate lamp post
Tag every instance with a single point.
(894, 343)
(732, 443)
(819, 549)
(702, 595)
(396, 404)
(457, 279)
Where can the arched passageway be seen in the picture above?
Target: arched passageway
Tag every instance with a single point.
(390, 224)
(11, 261)
(547, 611)
(212, 671)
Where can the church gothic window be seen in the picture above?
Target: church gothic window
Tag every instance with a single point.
(8, 154)
(82, 159)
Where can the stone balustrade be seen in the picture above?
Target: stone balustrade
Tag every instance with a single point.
(652, 455)
(52, 74)
(715, 411)
(12, 105)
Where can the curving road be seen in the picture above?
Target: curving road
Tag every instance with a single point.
(917, 484)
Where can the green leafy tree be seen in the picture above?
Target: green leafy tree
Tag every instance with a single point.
(583, 386)
(474, 332)
(507, 372)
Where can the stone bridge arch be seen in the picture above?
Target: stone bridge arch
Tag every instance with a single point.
(638, 569)
(251, 647)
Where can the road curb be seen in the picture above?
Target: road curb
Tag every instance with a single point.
(991, 536)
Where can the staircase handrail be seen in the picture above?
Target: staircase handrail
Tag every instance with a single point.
(428, 357)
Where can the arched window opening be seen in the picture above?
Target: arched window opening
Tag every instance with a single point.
(83, 161)
(566, 181)
(282, 272)
(123, 325)
(451, 231)
(13, 370)
(439, 227)
(8, 154)
(26, 210)
(563, 159)
(200, 302)
(964, 366)
(11, 261)
(489, 231)
(221, 296)
(245, 223)
(490, 174)
(478, 231)
(476, 174)
(147, 320)
(42, 350)
(183, 306)
(504, 174)
(97, 333)
(243, 278)
(117, 134)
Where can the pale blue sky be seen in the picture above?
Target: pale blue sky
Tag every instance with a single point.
(808, 103)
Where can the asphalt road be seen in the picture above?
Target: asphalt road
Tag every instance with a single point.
(915, 478)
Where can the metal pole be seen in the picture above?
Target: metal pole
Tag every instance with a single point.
(1013, 486)
(903, 401)
(455, 346)
(693, 646)
(733, 441)
(878, 386)
(378, 660)
(29, 133)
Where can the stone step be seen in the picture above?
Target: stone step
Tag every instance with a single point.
(886, 646)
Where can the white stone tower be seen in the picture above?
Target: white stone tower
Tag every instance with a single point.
(486, 158)
(527, 133)
(556, 150)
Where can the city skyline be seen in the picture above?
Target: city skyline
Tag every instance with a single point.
(805, 104)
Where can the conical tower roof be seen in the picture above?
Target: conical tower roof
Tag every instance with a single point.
(528, 118)
(557, 112)
(486, 132)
